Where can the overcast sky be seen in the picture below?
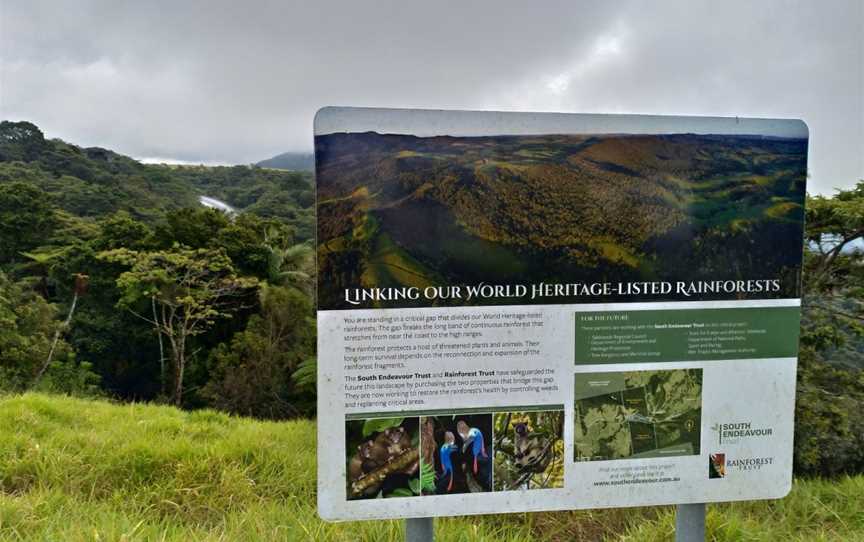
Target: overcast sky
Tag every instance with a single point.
(436, 122)
(235, 82)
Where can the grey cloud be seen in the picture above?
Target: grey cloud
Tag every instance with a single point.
(227, 81)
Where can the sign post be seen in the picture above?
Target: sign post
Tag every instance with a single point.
(420, 529)
(690, 523)
(533, 311)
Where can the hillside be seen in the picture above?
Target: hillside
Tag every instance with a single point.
(94, 182)
(83, 470)
(284, 195)
(293, 161)
(65, 208)
(88, 182)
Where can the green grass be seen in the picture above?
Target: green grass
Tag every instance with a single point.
(816, 510)
(79, 470)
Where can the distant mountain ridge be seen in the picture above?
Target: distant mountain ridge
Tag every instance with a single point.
(93, 182)
(294, 161)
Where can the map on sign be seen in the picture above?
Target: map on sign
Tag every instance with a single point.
(637, 414)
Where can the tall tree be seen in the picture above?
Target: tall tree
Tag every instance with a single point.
(20, 140)
(26, 326)
(80, 289)
(829, 432)
(833, 271)
(252, 375)
(289, 264)
(27, 323)
(834, 226)
(191, 290)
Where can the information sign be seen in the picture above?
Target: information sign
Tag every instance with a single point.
(534, 311)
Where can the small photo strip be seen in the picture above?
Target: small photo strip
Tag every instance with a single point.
(454, 453)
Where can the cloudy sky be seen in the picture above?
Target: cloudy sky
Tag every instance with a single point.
(235, 82)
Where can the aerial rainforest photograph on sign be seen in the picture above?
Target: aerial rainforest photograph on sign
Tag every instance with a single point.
(398, 211)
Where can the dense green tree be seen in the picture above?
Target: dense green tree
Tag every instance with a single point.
(254, 244)
(829, 430)
(120, 230)
(62, 205)
(122, 348)
(20, 141)
(190, 227)
(188, 290)
(25, 334)
(834, 225)
(28, 328)
(252, 375)
(26, 220)
(289, 264)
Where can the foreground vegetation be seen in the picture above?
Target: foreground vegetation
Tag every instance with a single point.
(115, 282)
(102, 258)
(85, 470)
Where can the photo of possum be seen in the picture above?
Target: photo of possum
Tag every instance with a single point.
(461, 452)
(529, 450)
(382, 458)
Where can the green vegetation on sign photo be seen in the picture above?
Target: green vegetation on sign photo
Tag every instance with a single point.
(400, 210)
(118, 424)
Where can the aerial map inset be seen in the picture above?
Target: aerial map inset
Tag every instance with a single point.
(637, 414)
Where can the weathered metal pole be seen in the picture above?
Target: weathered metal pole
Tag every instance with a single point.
(690, 523)
(419, 530)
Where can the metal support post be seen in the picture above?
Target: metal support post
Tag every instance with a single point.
(420, 529)
(690, 523)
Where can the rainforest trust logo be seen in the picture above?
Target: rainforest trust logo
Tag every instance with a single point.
(748, 463)
(719, 465)
(733, 433)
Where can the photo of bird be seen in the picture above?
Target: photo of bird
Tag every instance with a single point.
(472, 438)
(463, 453)
(447, 450)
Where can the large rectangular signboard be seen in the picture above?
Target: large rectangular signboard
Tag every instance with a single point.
(522, 311)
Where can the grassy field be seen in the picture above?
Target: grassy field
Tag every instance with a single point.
(76, 470)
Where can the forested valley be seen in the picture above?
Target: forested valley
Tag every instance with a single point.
(116, 282)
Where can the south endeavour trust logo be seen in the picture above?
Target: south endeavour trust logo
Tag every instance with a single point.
(732, 433)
